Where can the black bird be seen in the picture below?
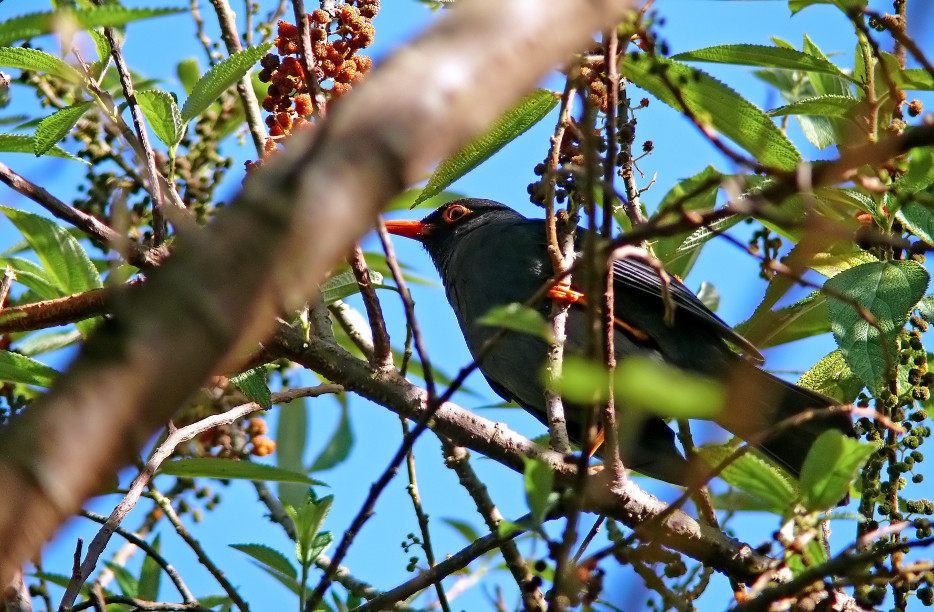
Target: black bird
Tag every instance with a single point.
(489, 255)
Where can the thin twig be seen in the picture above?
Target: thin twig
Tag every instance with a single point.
(159, 226)
(205, 559)
(382, 349)
(162, 562)
(227, 21)
(175, 437)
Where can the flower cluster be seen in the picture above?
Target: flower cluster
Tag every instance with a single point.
(336, 39)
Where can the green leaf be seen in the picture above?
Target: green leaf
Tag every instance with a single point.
(821, 106)
(467, 531)
(162, 113)
(219, 78)
(56, 126)
(127, 582)
(762, 56)
(754, 476)
(919, 220)
(269, 557)
(698, 192)
(29, 26)
(803, 319)
(715, 104)
(338, 447)
(709, 295)
(150, 575)
(288, 582)
(833, 377)
(253, 384)
(919, 176)
(666, 390)
(17, 143)
(16, 368)
(529, 111)
(291, 439)
(831, 466)
(65, 260)
(582, 381)
(539, 488)
(310, 518)
(188, 73)
(519, 318)
(212, 467)
(344, 284)
(847, 6)
(889, 291)
(46, 342)
(40, 61)
(33, 276)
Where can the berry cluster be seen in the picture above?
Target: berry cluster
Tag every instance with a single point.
(336, 39)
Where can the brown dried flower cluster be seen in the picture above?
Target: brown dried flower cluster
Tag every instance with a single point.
(336, 40)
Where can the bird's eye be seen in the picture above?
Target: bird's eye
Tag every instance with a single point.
(455, 213)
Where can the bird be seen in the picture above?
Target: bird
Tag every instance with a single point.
(488, 255)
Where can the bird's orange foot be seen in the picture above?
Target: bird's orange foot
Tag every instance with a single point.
(563, 293)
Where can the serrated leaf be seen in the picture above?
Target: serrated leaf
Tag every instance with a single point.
(715, 104)
(150, 574)
(754, 476)
(46, 342)
(212, 467)
(666, 390)
(28, 26)
(56, 126)
(63, 258)
(822, 106)
(519, 318)
(17, 143)
(919, 220)
(803, 319)
(269, 557)
(16, 368)
(762, 56)
(698, 192)
(833, 377)
(344, 284)
(844, 5)
(539, 482)
(291, 440)
(310, 518)
(253, 384)
(829, 469)
(162, 113)
(40, 61)
(338, 447)
(889, 291)
(529, 111)
(33, 276)
(220, 78)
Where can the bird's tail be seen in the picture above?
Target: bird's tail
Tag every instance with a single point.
(758, 401)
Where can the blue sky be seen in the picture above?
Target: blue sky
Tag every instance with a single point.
(680, 151)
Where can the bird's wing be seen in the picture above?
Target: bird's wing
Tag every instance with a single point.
(634, 274)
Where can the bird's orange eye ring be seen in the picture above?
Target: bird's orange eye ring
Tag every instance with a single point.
(455, 213)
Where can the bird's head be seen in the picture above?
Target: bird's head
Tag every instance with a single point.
(445, 225)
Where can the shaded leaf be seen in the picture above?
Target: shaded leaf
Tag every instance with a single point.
(220, 78)
(16, 368)
(516, 317)
(344, 284)
(46, 342)
(189, 72)
(539, 488)
(754, 476)
(269, 557)
(803, 319)
(56, 126)
(716, 104)
(833, 377)
(253, 385)
(831, 466)
(762, 56)
(338, 447)
(162, 113)
(150, 574)
(291, 439)
(529, 111)
(889, 291)
(28, 26)
(666, 390)
(212, 467)
(823, 106)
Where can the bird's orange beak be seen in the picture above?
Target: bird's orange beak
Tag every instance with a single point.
(416, 230)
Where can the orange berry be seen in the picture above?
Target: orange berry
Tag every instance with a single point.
(320, 16)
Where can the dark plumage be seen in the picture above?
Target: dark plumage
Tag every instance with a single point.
(489, 255)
